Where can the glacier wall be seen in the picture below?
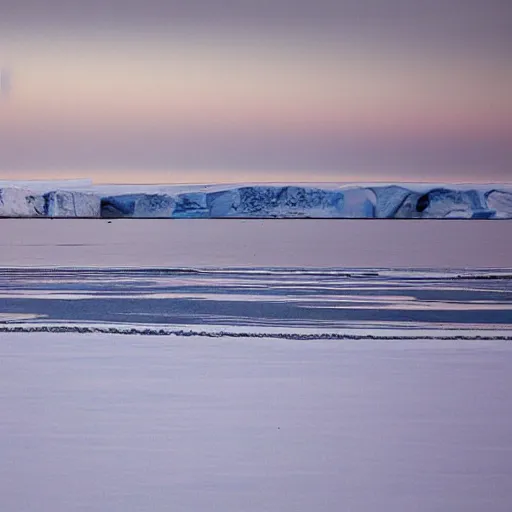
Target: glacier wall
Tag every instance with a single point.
(393, 201)
(18, 202)
(61, 203)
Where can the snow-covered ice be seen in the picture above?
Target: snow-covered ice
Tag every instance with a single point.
(281, 303)
(105, 422)
(254, 388)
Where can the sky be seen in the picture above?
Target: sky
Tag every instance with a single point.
(211, 91)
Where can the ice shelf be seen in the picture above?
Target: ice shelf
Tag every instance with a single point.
(364, 201)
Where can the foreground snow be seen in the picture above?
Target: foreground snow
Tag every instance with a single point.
(257, 200)
(106, 422)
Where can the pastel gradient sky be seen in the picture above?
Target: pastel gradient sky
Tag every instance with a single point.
(231, 91)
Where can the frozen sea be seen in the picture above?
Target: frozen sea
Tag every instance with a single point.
(295, 303)
(255, 366)
(128, 423)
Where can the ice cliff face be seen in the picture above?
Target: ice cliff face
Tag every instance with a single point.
(138, 205)
(360, 202)
(191, 205)
(275, 202)
(500, 202)
(17, 202)
(266, 201)
(437, 203)
(72, 204)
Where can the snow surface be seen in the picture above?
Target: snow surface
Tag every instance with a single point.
(262, 201)
(124, 424)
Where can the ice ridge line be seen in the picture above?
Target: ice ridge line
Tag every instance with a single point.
(231, 334)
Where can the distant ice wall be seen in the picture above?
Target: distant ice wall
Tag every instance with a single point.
(393, 201)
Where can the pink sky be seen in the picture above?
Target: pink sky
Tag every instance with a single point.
(141, 97)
